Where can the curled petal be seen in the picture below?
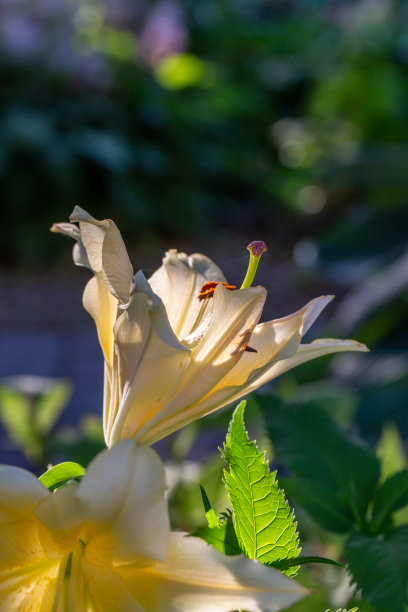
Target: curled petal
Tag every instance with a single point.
(79, 252)
(178, 283)
(106, 252)
(196, 578)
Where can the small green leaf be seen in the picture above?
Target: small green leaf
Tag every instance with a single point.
(264, 523)
(50, 405)
(60, 474)
(379, 567)
(389, 497)
(212, 518)
(16, 412)
(223, 538)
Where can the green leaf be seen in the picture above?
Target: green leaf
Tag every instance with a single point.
(389, 497)
(390, 451)
(50, 405)
(212, 518)
(60, 474)
(303, 560)
(16, 413)
(223, 538)
(323, 460)
(264, 523)
(380, 568)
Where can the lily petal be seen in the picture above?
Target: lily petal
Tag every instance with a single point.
(103, 308)
(197, 578)
(305, 352)
(30, 589)
(20, 490)
(178, 283)
(123, 490)
(109, 591)
(119, 482)
(106, 252)
(233, 318)
(145, 341)
(274, 340)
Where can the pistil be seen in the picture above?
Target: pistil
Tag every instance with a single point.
(255, 248)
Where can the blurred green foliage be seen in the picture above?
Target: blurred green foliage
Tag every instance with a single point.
(193, 118)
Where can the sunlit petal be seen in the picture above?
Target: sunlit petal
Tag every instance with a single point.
(20, 490)
(145, 342)
(233, 318)
(103, 307)
(108, 591)
(178, 283)
(30, 589)
(197, 578)
(305, 352)
(125, 480)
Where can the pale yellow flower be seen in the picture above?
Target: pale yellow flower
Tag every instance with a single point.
(105, 545)
(169, 357)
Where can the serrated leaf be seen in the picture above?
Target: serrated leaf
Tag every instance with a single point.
(223, 538)
(389, 497)
(60, 474)
(212, 518)
(264, 523)
(322, 457)
(380, 568)
(390, 451)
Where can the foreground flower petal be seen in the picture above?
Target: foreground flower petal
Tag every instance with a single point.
(197, 578)
(105, 545)
(171, 357)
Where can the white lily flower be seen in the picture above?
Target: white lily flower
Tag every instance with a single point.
(172, 356)
(105, 545)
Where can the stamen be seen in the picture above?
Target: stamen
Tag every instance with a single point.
(207, 290)
(255, 248)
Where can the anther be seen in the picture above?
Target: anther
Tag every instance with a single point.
(207, 290)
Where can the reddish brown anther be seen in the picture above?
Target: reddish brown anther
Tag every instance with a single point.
(207, 290)
(257, 247)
